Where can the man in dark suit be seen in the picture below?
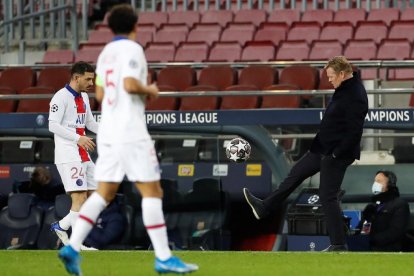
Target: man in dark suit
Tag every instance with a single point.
(335, 147)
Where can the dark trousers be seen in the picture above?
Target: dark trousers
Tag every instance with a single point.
(332, 171)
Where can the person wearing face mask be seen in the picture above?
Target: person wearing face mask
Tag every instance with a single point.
(387, 216)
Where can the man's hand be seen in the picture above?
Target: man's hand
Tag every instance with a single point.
(86, 143)
(152, 91)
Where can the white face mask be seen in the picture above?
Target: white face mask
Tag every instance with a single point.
(376, 188)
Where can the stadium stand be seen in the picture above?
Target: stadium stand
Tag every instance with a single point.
(239, 32)
(188, 18)
(53, 77)
(160, 52)
(191, 52)
(308, 31)
(222, 17)
(58, 56)
(284, 16)
(375, 30)
(17, 78)
(331, 30)
(293, 50)
(225, 51)
(325, 49)
(320, 16)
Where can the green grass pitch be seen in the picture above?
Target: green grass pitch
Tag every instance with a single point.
(43, 263)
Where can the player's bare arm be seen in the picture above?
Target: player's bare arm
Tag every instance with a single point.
(99, 93)
(134, 86)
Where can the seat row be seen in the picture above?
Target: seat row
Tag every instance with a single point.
(243, 41)
(258, 16)
(213, 78)
(24, 225)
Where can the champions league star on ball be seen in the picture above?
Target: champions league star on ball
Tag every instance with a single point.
(238, 150)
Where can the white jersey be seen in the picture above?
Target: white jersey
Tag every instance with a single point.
(69, 113)
(123, 114)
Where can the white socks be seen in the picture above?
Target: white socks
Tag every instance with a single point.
(88, 215)
(153, 218)
(68, 220)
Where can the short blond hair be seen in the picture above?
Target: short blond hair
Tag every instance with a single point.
(338, 64)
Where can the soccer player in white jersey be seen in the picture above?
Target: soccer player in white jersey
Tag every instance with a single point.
(124, 144)
(69, 114)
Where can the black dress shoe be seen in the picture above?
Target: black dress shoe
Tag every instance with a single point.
(258, 208)
(336, 247)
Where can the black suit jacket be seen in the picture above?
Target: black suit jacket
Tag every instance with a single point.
(341, 126)
(389, 223)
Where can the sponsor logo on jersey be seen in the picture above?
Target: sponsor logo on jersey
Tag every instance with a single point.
(81, 119)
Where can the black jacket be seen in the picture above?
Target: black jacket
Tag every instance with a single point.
(340, 130)
(389, 216)
(109, 227)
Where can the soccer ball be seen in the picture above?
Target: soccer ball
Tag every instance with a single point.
(238, 150)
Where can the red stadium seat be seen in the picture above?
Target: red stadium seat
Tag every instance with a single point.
(331, 30)
(240, 32)
(101, 36)
(325, 49)
(293, 50)
(160, 52)
(41, 105)
(402, 29)
(200, 103)
(320, 16)
(7, 105)
(384, 14)
(56, 78)
(258, 51)
(144, 38)
(324, 81)
(274, 32)
(88, 54)
(58, 56)
(256, 17)
(284, 16)
(375, 30)
(361, 49)
(303, 76)
(251, 78)
(394, 49)
(177, 78)
(191, 52)
(225, 52)
(205, 32)
(17, 78)
(258, 76)
(221, 17)
(281, 101)
(157, 18)
(239, 102)
(407, 14)
(213, 78)
(218, 77)
(175, 33)
(350, 15)
(184, 17)
(148, 27)
(308, 31)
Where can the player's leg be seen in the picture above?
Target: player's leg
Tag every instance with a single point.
(74, 181)
(146, 176)
(88, 215)
(332, 174)
(307, 166)
(153, 218)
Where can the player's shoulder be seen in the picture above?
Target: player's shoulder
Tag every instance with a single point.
(127, 45)
(61, 93)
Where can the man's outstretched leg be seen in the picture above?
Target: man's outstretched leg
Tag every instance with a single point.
(307, 166)
(154, 222)
(88, 215)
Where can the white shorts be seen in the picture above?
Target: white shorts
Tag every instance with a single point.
(137, 160)
(77, 176)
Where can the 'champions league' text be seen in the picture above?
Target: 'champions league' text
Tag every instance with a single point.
(181, 118)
